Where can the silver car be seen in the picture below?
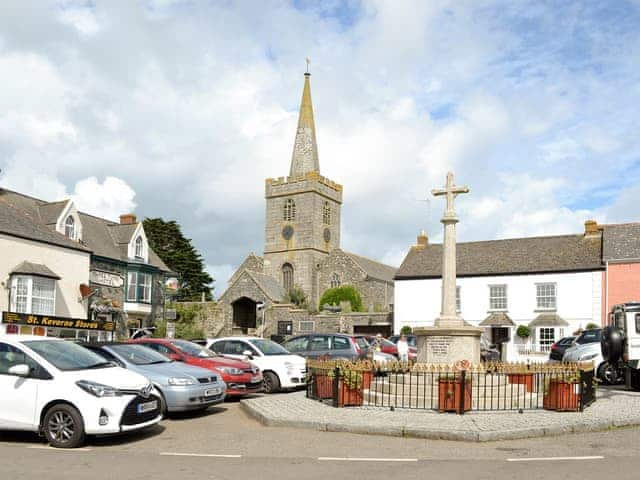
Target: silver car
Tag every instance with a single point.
(183, 387)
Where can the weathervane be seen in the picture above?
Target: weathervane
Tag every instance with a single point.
(308, 62)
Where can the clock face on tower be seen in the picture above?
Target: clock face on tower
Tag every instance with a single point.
(287, 232)
(327, 235)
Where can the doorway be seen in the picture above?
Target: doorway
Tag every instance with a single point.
(244, 315)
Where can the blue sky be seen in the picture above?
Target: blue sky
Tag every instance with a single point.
(180, 109)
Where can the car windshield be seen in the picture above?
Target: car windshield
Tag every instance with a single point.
(193, 349)
(138, 355)
(268, 347)
(67, 356)
(589, 336)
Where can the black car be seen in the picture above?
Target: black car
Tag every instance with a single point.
(558, 348)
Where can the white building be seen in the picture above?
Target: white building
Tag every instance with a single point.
(551, 284)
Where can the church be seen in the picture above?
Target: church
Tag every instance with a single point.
(302, 253)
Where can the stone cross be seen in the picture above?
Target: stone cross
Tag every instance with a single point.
(448, 313)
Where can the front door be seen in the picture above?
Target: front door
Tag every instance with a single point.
(499, 335)
(19, 394)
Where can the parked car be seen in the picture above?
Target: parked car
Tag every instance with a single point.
(182, 387)
(65, 392)
(333, 346)
(280, 368)
(240, 376)
(558, 348)
(590, 349)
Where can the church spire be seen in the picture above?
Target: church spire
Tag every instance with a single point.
(305, 148)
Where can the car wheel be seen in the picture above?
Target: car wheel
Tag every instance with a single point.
(163, 404)
(63, 426)
(271, 382)
(608, 373)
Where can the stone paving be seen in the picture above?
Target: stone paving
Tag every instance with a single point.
(613, 408)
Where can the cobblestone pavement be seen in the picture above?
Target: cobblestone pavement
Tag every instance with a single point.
(613, 408)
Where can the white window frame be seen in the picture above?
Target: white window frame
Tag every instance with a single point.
(139, 247)
(498, 302)
(544, 344)
(546, 301)
(70, 228)
(29, 296)
(139, 285)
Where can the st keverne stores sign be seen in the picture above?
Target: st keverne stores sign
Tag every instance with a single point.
(57, 322)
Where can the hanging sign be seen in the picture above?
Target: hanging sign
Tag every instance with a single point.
(107, 279)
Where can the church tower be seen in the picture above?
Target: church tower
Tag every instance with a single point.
(302, 222)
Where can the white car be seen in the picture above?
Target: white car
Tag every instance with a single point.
(65, 391)
(280, 368)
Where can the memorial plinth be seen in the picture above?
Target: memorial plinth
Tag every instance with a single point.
(450, 339)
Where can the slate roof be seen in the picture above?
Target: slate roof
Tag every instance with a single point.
(497, 319)
(28, 268)
(621, 242)
(269, 285)
(28, 217)
(563, 253)
(22, 223)
(548, 320)
(374, 269)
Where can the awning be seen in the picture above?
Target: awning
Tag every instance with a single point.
(497, 319)
(549, 320)
(28, 268)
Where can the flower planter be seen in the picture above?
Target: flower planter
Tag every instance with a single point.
(323, 385)
(526, 379)
(562, 396)
(349, 397)
(450, 392)
(367, 378)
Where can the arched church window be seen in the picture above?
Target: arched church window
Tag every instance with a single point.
(289, 210)
(335, 280)
(139, 247)
(326, 214)
(70, 227)
(287, 277)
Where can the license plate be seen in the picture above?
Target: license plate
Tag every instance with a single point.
(256, 379)
(148, 406)
(212, 391)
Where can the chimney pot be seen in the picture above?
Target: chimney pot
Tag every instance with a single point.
(128, 219)
(423, 240)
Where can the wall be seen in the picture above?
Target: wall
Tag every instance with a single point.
(71, 265)
(579, 299)
(623, 283)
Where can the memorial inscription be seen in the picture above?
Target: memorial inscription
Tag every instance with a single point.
(439, 345)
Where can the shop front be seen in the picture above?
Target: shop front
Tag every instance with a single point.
(101, 328)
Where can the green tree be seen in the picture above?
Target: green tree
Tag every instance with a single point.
(523, 331)
(334, 296)
(406, 330)
(177, 252)
(297, 297)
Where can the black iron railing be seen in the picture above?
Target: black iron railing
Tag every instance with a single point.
(487, 387)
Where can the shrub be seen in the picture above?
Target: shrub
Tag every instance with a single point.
(591, 326)
(406, 330)
(523, 331)
(297, 297)
(186, 325)
(334, 296)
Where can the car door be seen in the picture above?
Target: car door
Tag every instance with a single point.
(19, 394)
(341, 348)
(298, 345)
(319, 346)
(235, 349)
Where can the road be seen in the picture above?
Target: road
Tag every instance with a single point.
(225, 443)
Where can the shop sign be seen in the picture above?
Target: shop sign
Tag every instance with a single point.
(106, 278)
(57, 322)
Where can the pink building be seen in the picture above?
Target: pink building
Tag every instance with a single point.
(621, 256)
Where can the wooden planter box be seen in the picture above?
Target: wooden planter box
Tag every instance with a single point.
(562, 396)
(349, 397)
(323, 385)
(526, 379)
(367, 378)
(450, 392)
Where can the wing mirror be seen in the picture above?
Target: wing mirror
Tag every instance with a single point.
(175, 357)
(21, 370)
(248, 354)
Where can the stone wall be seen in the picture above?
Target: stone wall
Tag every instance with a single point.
(210, 318)
(377, 295)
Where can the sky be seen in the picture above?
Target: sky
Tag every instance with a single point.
(181, 108)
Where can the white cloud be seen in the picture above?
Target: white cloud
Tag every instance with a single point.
(109, 199)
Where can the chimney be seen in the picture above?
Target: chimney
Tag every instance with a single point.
(591, 229)
(423, 240)
(128, 219)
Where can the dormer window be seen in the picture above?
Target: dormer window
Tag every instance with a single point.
(139, 248)
(70, 227)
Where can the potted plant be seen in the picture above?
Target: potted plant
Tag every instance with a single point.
(350, 388)
(450, 392)
(562, 392)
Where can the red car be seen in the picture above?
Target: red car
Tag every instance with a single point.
(241, 377)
